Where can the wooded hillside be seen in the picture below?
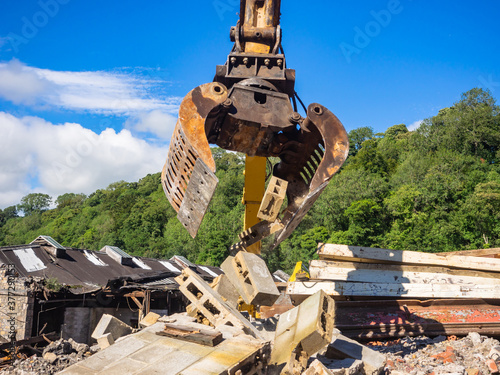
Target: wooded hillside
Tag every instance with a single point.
(434, 189)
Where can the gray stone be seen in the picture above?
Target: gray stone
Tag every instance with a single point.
(373, 362)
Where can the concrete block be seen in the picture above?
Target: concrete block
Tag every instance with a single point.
(310, 324)
(273, 199)
(225, 288)
(105, 340)
(110, 324)
(344, 347)
(251, 278)
(210, 304)
(149, 319)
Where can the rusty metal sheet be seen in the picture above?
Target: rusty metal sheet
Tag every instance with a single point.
(197, 197)
(381, 319)
(189, 141)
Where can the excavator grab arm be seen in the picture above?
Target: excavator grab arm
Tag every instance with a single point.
(248, 108)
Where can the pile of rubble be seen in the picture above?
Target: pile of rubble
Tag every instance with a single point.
(215, 336)
(472, 355)
(55, 357)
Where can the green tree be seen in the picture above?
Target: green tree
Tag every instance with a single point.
(357, 137)
(70, 199)
(33, 203)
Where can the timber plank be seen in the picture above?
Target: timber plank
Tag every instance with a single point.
(346, 288)
(374, 255)
(203, 337)
(491, 253)
(395, 273)
(373, 289)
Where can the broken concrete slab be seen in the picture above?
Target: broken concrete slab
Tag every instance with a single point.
(105, 340)
(344, 347)
(251, 278)
(210, 304)
(149, 319)
(145, 352)
(110, 324)
(310, 324)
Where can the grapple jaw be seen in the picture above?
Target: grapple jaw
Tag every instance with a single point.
(188, 177)
(256, 119)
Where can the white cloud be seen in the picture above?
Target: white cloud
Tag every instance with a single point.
(68, 158)
(97, 92)
(21, 86)
(156, 122)
(415, 125)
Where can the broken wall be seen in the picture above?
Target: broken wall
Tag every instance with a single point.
(21, 309)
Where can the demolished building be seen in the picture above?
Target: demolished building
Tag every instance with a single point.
(66, 290)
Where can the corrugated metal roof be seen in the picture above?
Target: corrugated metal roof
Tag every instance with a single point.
(86, 270)
(117, 250)
(48, 240)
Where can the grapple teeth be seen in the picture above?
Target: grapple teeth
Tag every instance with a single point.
(332, 148)
(189, 157)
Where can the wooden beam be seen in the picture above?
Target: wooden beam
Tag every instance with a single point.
(374, 255)
(30, 341)
(487, 253)
(393, 273)
(199, 336)
(373, 289)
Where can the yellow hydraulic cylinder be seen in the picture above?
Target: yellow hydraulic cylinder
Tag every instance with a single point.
(253, 192)
(256, 14)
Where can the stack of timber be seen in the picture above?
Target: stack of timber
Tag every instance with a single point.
(353, 271)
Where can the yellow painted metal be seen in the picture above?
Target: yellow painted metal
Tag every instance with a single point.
(252, 310)
(256, 14)
(259, 14)
(253, 192)
(298, 272)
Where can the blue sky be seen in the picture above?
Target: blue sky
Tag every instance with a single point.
(89, 89)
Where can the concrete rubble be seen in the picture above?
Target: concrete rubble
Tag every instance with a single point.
(55, 357)
(214, 337)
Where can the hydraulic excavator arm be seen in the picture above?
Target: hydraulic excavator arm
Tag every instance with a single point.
(248, 108)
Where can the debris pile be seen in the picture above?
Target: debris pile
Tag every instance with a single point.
(220, 333)
(472, 355)
(55, 357)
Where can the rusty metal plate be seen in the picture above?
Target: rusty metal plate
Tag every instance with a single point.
(197, 197)
(379, 319)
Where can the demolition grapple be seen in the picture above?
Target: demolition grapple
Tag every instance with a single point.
(250, 107)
